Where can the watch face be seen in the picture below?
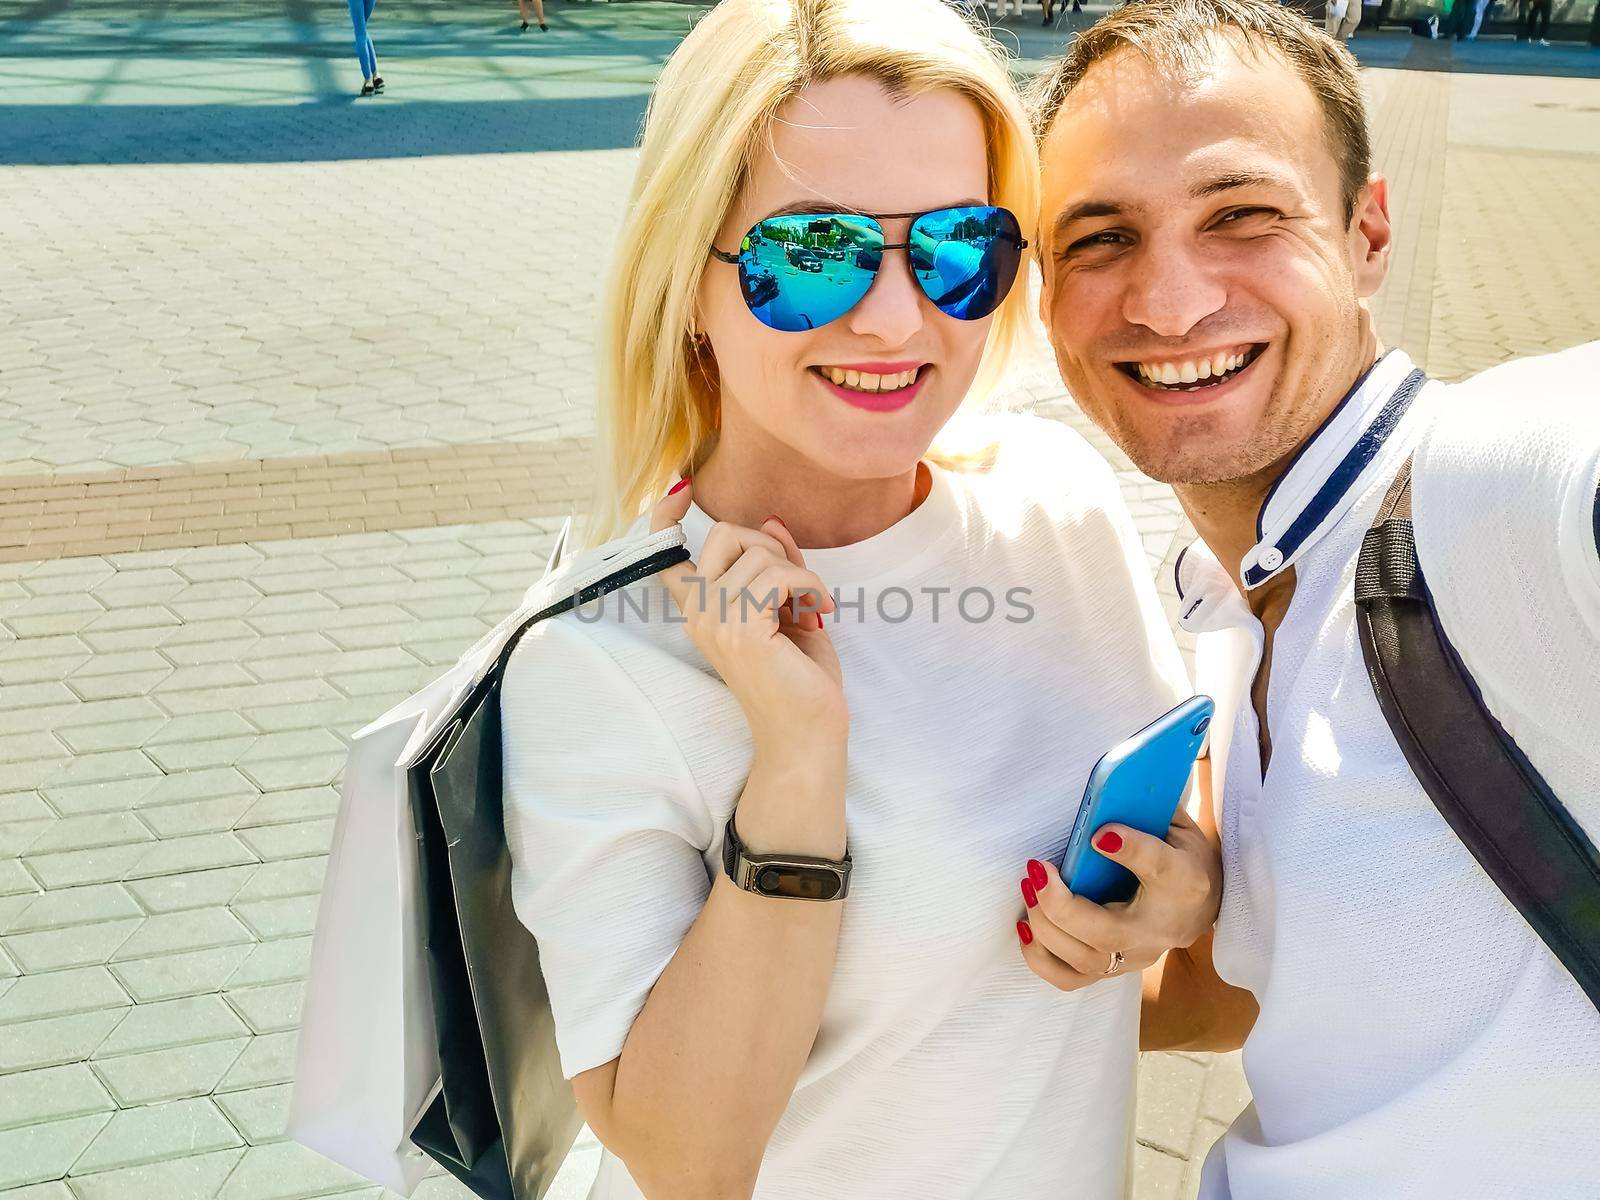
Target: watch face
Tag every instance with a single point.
(797, 883)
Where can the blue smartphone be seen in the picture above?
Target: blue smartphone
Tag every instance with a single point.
(1138, 783)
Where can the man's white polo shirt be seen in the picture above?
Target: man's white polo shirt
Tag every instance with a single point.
(1416, 1039)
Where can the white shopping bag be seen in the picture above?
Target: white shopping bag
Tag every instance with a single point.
(367, 1066)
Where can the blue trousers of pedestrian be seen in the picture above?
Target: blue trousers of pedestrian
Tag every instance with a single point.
(360, 14)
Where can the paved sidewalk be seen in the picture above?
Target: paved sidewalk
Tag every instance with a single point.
(294, 389)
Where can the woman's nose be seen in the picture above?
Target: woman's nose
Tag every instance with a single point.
(891, 312)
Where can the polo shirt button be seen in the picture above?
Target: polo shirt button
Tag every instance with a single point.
(1271, 558)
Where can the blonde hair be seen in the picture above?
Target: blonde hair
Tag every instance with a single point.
(710, 114)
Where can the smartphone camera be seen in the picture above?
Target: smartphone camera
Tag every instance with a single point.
(1203, 724)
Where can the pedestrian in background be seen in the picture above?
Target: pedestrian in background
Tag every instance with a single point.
(1535, 12)
(360, 14)
(538, 12)
(1342, 17)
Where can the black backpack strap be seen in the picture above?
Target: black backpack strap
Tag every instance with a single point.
(1482, 784)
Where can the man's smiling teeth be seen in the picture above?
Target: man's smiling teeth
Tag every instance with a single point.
(1191, 370)
(870, 383)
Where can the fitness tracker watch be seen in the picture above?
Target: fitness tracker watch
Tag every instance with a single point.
(786, 876)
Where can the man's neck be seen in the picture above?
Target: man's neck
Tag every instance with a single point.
(1227, 514)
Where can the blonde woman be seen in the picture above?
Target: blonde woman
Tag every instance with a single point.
(772, 854)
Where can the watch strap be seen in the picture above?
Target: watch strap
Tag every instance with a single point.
(784, 876)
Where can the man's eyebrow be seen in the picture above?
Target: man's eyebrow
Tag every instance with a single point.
(1236, 179)
(1084, 210)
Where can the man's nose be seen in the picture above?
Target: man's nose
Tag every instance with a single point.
(1171, 289)
(891, 311)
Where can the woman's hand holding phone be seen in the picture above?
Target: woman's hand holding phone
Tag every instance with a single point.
(1070, 941)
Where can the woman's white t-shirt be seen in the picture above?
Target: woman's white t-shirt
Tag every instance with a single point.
(943, 1066)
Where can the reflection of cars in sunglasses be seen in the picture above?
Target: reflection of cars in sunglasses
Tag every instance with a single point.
(803, 257)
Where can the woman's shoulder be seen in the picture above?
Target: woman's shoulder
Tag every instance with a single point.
(616, 644)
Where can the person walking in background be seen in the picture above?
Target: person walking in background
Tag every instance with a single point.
(360, 14)
(1467, 17)
(1479, 10)
(538, 12)
(1535, 12)
(1049, 7)
(1343, 16)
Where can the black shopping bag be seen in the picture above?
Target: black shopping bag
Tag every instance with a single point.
(505, 1117)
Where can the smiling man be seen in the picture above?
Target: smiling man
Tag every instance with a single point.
(1210, 237)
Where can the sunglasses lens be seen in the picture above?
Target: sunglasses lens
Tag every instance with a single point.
(966, 258)
(803, 271)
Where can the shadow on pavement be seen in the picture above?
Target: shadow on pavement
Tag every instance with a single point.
(335, 127)
(1489, 55)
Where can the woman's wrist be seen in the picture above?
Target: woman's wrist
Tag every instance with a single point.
(793, 802)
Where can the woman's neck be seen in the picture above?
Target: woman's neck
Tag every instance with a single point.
(821, 510)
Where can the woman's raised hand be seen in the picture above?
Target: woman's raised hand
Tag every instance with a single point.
(754, 610)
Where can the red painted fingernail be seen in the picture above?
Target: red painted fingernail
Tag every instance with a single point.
(1029, 896)
(777, 518)
(678, 487)
(1109, 843)
(1036, 873)
(1025, 933)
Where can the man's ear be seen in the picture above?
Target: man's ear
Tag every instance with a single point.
(1371, 236)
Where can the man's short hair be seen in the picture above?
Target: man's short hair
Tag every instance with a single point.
(1174, 36)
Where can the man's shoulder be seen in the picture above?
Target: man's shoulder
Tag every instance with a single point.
(1527, 423)
(1528, 389)
(1504, 512)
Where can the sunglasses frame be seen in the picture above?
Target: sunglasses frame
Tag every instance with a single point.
(914, 217)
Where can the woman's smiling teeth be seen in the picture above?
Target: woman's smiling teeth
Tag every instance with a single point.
(861, 382)
(1188, 372)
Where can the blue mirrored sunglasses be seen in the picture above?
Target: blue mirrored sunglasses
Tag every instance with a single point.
(802, 271)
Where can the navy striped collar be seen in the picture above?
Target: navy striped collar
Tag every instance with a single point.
(1331, 470)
